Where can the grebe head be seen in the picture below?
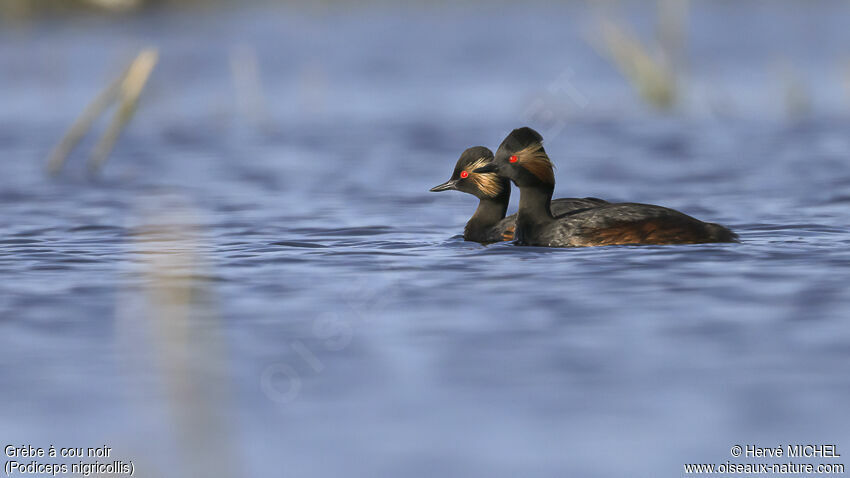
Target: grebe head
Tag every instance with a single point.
(522, 159)
(464, 178)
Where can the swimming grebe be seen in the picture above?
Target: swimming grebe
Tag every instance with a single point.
(489, 223)
(522, 159)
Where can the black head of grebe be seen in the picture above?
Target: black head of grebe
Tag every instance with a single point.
(522, 159)
(480, 185)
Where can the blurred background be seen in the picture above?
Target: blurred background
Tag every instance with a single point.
(221, 258)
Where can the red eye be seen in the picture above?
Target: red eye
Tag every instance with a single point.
(464, 174)
(514, 159)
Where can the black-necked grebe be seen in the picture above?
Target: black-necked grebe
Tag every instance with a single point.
(489, 223)
(522, 159)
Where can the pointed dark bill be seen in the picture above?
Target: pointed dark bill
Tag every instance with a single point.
(446, 186)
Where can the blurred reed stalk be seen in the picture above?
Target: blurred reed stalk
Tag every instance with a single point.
(186, 340)
(126, 89)
(654, 70)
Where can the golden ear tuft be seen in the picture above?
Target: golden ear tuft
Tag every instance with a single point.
(535, 160)
(487, 183)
